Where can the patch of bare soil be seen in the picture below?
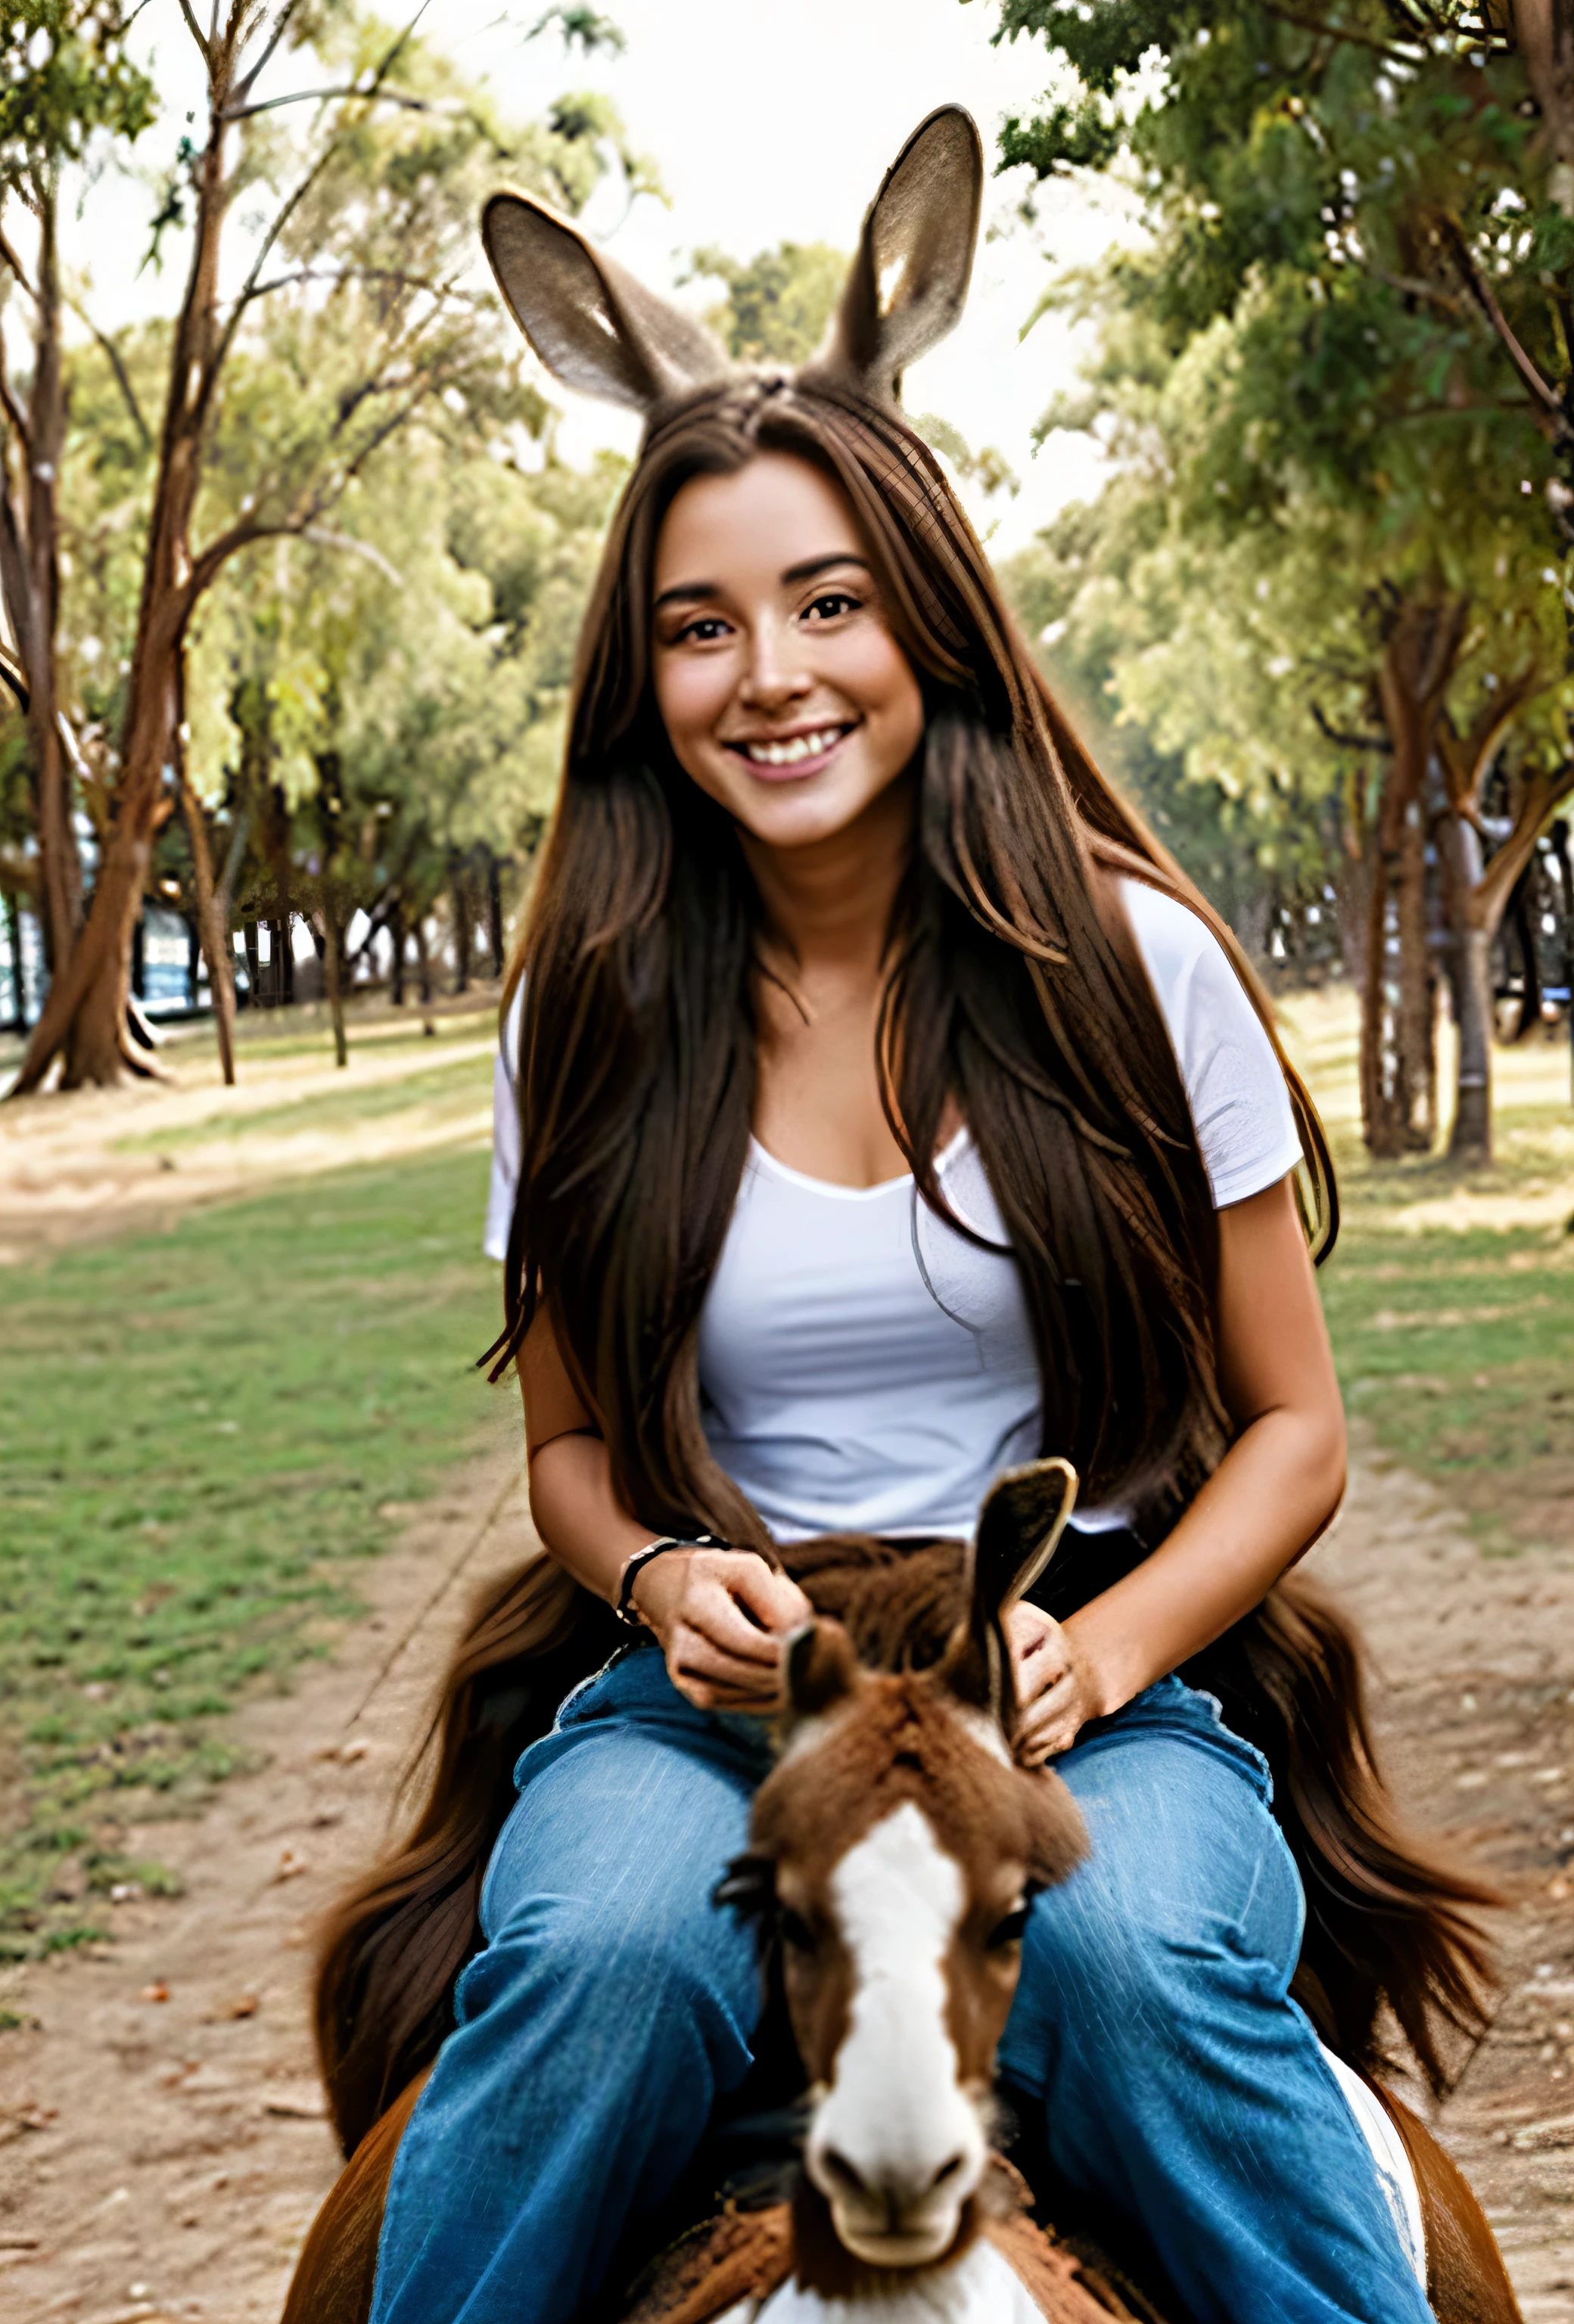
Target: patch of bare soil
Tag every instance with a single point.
(1474, 1663)
(165, 2155)
(85, 1166)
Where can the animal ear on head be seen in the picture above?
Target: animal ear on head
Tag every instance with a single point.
(601, 331)
(820, 1669)
(909, 281)
(1021, 1520)
(590, 322)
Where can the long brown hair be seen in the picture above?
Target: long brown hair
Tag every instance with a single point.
(1014, 990)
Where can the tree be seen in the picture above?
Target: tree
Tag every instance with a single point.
(356, 294)
(65, 80)
(366, 728)
(1359, 228)
(778, 303)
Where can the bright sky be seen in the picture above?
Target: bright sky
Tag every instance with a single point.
(768, 120)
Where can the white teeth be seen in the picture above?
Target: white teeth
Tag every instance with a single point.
(789, 753)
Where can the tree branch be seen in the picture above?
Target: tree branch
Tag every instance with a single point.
(8, 255)
(121, 378)
(1481, 290)
(198, 34)
(248, 80)
(16, 416)
(1340, 33)
(1542, 794)
(1348, 741)
(362, 275)
(320, 537)
(292, 202)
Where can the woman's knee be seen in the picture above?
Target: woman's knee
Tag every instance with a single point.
(622, 1956)
(1159, 1925)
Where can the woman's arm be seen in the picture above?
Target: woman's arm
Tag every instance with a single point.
(1271, 1495)
(719, 1614)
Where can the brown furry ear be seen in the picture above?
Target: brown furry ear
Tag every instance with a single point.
(591, 323)
(1020, 1526)
(909, 281)
(820, 1669)
(1023, 1515)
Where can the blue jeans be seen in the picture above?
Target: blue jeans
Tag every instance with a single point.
(614, 2003)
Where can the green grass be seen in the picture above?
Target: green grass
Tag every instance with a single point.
(200, 1430)
(1450, 1295)
(1458, 1350)
(457, 1086)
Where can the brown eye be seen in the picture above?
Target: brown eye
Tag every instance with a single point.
(796, 1933)
(1009, 1931)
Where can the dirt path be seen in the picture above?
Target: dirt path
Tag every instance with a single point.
(161, 2157)
(106, 1163)
(165, 2156)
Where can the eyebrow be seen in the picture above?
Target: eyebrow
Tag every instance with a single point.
(689, 592)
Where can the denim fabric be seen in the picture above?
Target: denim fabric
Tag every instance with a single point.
(614, 2003)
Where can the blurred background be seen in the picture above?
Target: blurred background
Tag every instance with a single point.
(1265, 406)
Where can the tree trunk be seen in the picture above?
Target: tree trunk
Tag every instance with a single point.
(460, 885)
(1398, 1036)
(423, 961)
(84, 1013)
(211, 924)
(1520, 914)
(494, 910)
(1352, 886)
(18, 972)
(333, 977)
(396, 966)
(1471, 1143)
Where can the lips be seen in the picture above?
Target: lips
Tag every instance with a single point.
(777, 757)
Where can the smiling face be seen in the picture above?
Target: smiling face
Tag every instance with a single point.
(783, 693)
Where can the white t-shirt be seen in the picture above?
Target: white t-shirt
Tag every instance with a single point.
(865, 1368)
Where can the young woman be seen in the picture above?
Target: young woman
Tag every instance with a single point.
(891, 1113)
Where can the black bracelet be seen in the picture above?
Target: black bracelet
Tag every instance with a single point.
(636, 1565)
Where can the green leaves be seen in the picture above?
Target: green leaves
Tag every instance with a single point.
(65, 74)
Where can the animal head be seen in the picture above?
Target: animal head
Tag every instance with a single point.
(603, 332)
(895, 1849)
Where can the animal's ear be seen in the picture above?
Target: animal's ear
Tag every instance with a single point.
(591, 323)
(820, 1669)
(1020, 1526)
(909, 281)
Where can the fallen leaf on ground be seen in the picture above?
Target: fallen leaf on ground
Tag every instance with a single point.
(34, 2117)
(290, 1864)
(246, 2005)
(1537, 2136)
(158, 1991)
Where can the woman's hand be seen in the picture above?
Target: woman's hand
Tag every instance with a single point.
(720, 1616)
(1058, 1690)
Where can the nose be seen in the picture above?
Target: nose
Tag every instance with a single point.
(772, 681)
(897, 2191)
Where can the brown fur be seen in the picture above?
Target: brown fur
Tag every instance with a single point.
(901, 1741)
(746, 2255)
(337, 2268)
(897, 1740)
(1466, 2282)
